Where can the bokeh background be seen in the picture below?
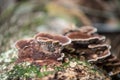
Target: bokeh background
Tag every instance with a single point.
(24, 18)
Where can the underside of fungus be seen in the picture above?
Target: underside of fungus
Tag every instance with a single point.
(111, 64)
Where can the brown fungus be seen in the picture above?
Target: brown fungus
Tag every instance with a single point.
(85, 39)
(101, 51)
(85, 42)
(83, 29)
(94, 54)
(44, 47)
(49, 49)
(26, 48)
(63, 40)
(20, 44)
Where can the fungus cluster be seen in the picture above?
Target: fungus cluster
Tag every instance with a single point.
(52, 49)
(93, 47)
(85, 42)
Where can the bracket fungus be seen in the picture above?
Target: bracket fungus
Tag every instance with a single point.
(53, 49)
(63, 40)
(79, 37)
(101, 51)
(93, 47)
(43, 48)
(89, 44)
